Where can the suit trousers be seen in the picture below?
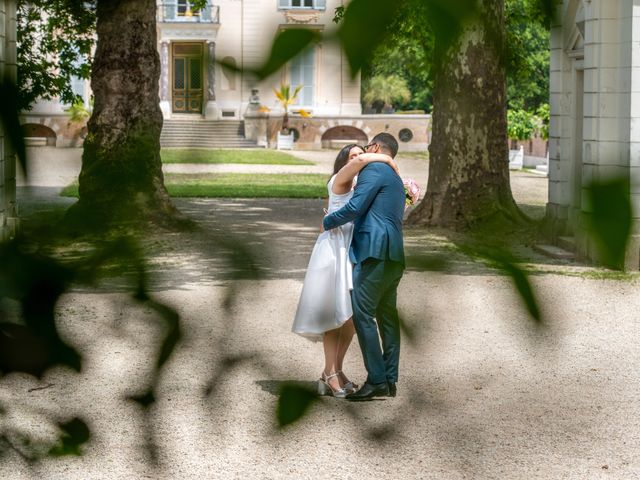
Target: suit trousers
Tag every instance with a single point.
(374, 296)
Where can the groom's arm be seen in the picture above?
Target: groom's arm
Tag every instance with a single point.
(366, 189)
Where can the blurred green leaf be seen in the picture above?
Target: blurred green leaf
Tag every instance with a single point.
(521, 282)
(145, 399)
(364, 26)
(174, 334)
(446, 18)
(503, 261)
(37, 282)
(545, 10)
(610, 222)
(11, 123)
(286, 45)
(293, 403)
(75, 434)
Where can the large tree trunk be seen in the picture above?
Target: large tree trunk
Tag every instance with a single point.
(469, 158)
(121, 177)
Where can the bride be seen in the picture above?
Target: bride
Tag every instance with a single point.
(324, 310)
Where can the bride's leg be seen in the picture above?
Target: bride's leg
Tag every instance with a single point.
(345, 336)
(331, 341)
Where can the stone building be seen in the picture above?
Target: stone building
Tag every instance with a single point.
(205, 104)
(8, 70)
(595, 113)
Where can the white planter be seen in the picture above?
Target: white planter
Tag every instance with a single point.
(285, 142)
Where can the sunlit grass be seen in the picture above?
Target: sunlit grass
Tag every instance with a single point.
(239, 185)
(254, 156)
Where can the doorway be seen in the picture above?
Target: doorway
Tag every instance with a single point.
(187, 78)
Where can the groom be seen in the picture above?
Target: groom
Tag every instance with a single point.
(377, 206)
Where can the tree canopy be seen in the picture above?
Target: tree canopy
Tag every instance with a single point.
(55, 43)
(409, 53)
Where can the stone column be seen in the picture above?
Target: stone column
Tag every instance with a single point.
(10, 72)
(211, 109)
(165, 104)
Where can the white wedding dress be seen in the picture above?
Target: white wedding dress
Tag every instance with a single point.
(325, 301)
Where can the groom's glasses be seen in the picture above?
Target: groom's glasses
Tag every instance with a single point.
(367, 146)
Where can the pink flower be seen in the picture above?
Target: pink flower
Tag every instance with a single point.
(411, 191)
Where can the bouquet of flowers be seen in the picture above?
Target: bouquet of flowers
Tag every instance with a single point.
(411, 192)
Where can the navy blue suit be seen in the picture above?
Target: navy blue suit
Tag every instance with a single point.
(376, 208)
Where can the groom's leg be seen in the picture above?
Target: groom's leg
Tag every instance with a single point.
(389, 322)
(367, 281)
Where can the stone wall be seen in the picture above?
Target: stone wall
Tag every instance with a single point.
(8, 70)
(313, 133)
(595, 113)
(53, 130)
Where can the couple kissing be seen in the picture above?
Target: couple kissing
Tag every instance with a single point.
(355, 267)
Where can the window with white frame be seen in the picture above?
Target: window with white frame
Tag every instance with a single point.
(300, 4)
(302, 71)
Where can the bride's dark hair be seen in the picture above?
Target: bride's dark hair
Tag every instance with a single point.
(342, 158)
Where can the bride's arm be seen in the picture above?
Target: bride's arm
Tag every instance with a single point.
(344, 178)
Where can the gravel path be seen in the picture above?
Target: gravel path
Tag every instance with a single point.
(483, 393)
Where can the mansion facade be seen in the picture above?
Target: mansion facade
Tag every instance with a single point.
(240, 33)
(206, 104)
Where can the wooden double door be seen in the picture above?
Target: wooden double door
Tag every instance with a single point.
(187, 78)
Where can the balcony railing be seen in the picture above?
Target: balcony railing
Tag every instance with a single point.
(302, 4)
(182, 11)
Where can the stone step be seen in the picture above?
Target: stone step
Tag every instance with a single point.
(209, 145)
(554, 252)
(567, 243)
(204, 133)
(196, 138)
(205, 143)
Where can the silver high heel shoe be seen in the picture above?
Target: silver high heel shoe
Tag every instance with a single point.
(325, 388)
(350, 387)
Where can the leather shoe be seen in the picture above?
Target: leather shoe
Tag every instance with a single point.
(368, 391)
(392, 389)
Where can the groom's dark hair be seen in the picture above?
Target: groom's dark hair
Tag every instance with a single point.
(387, 142)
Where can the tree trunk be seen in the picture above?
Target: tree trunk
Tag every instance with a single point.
(468, 155)
(121, 178)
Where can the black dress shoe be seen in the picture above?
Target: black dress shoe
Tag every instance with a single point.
(368, 391)
(392, 389)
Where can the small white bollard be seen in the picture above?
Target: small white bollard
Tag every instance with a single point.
(285, 142)
(516, 159)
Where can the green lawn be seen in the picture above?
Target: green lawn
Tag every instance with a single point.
(239, 185)
(256, 156)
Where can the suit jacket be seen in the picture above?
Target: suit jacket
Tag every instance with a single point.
(377, 208)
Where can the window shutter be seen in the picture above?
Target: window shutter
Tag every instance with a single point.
(321, 4)
(170, 10)
(283, 3)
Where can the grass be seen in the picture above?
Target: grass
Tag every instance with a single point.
(415, 155)
(255, 156)
(239, 185)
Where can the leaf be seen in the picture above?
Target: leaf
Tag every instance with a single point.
(75, 434)
(37, 282)
(286, 46)
(611, 219)
(293, 403)
(11, 123)
(523, 287)
(502, 260)
(447, 16)
(145, 399)
(174, 334)
(365, 25)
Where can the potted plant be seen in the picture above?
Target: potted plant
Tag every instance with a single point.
(286, 98)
